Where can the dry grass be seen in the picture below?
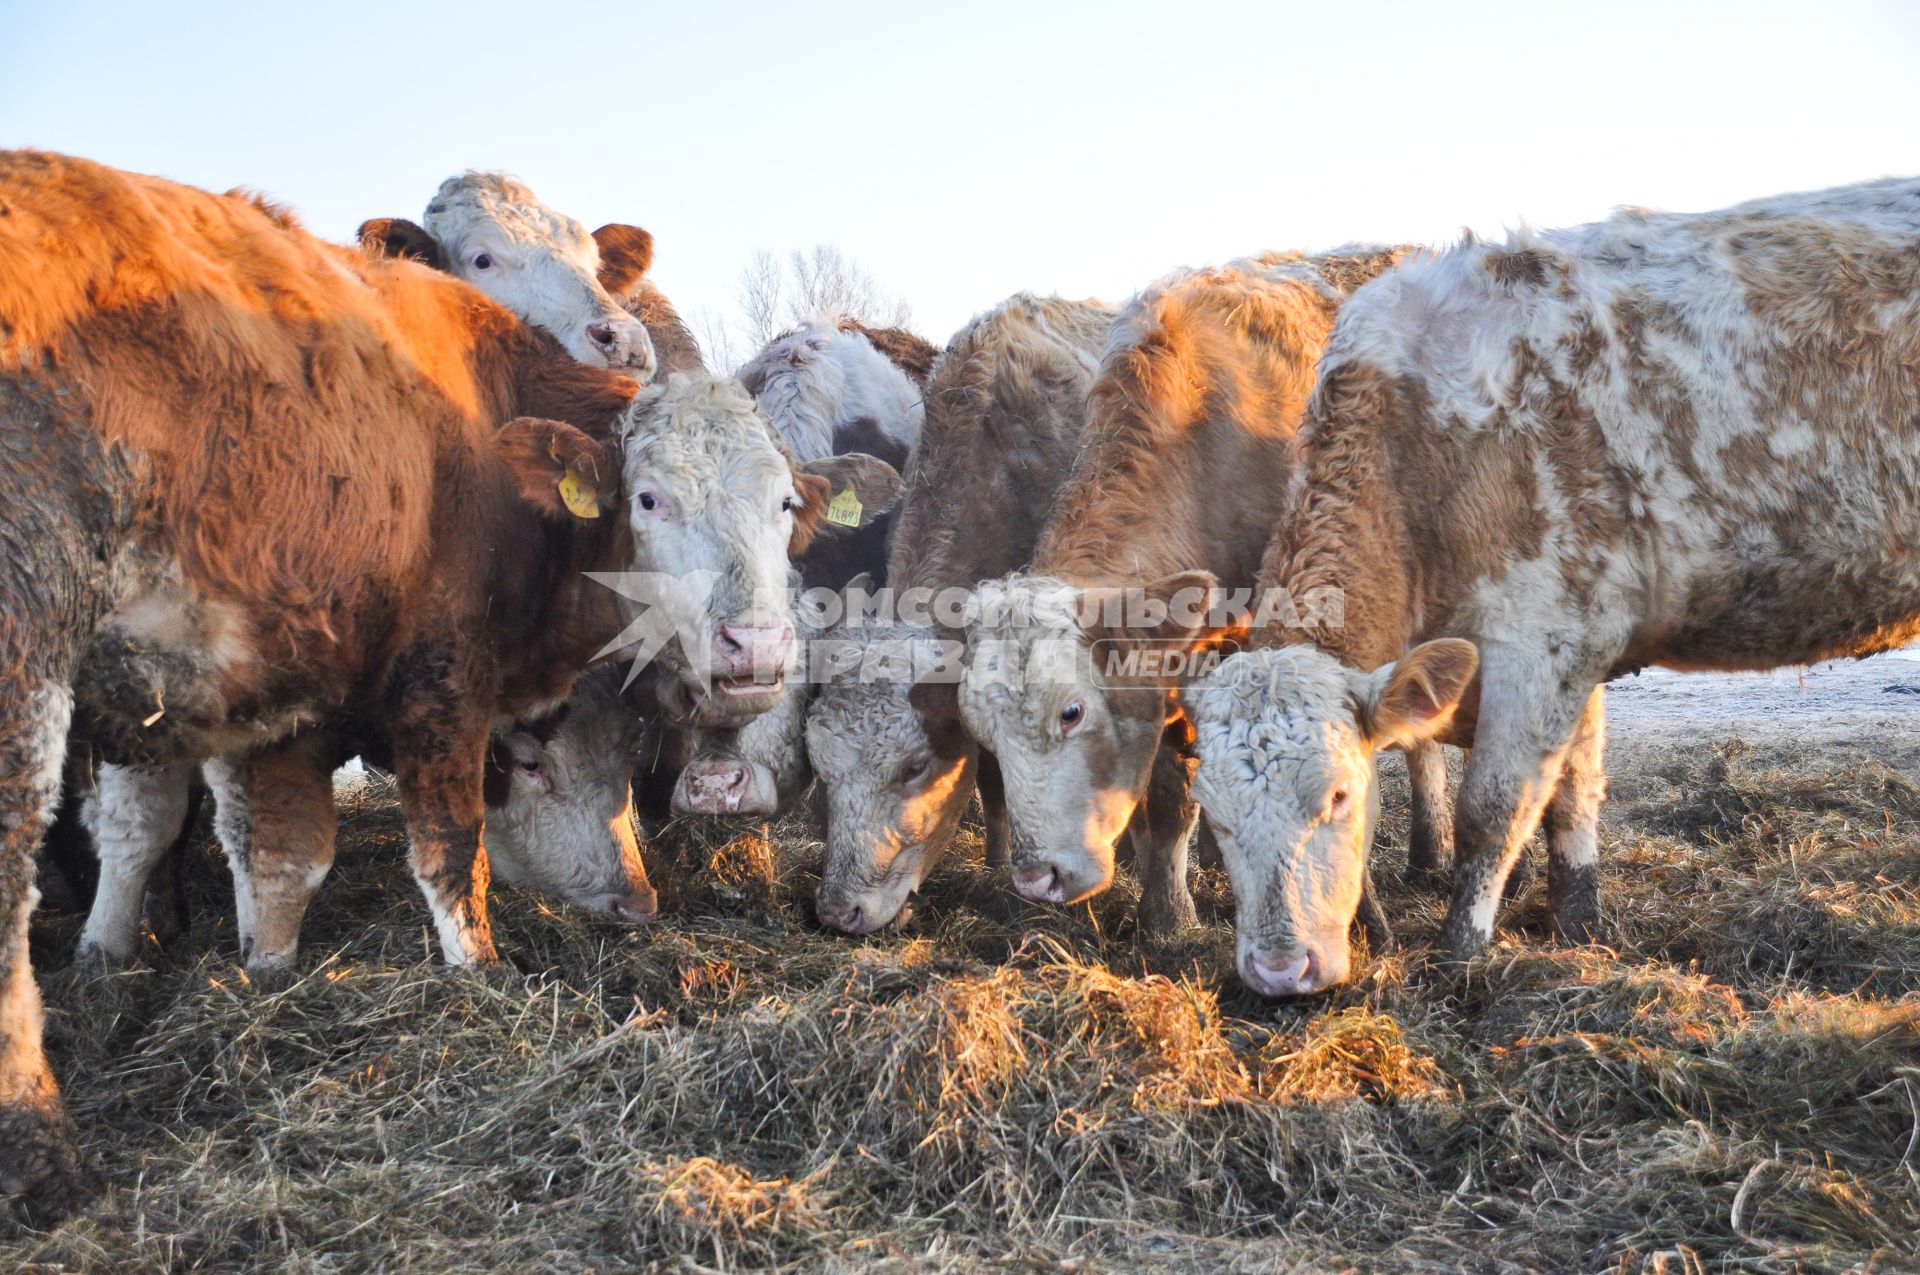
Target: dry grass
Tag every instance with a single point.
(1737, 1088)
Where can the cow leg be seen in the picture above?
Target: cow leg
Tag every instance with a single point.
(134, 814)
(439, 770)
(38, 1160)
(290, 814)
(166, 906)
(1166, 903)
(227, 781)
(993, 812)
(1530, 703)
(1572, 823)
(1430, 842)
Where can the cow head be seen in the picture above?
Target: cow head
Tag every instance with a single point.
(1048, 689)
(716, 508)
(492, 232)
(559, 797)
(1287, 740)
(896, 780)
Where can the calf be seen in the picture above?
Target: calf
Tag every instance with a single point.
(1661, 439)
(1005, 408)
(375, 517)
(1188, 438)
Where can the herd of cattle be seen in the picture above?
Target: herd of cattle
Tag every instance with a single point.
(270, 503)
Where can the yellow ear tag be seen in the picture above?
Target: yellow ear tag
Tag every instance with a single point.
(844, 509)
(578, 495)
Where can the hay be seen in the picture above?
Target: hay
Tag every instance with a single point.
(1735, 1087)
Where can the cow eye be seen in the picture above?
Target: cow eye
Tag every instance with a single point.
(648, 501)
(530, 767)
(1339, 800)
(914, 773)
(786, 504)
(1071, 715)
(483, 262)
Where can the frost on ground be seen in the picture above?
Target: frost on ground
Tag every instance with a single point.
(1734, 1085)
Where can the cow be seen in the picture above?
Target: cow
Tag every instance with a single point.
(559, 819)
(834, 385)
(820, 385)
(1188, 435)
(261, 491)
(1005, 408)
(1685, 440)
(494, 233)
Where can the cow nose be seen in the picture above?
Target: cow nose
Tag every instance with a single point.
(715, 788)
(1037, 883)
(1299, 972)
(637, 907)
(845, 917)
(744, 651)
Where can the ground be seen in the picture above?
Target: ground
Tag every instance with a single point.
(1733, 1085)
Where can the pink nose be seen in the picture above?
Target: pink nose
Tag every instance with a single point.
(713, 788)
(761, 654)
(1041, 884)
(1300, 972)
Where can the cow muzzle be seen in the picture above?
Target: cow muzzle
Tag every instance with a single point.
(1062, 878)
(725, 786)
(1300, 970)
(619, 342)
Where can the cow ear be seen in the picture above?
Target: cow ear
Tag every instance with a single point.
(863, 486)
(398, 237)
(810, 513)
(626, 254)
(560, 471)
(938, 701)
(1414, 698)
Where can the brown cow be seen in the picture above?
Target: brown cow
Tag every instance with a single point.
(1188, 440)
(253, 484)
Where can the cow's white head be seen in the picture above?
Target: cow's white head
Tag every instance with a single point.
(716, 509)
(1049, 690)
(896, 781)
(1287, 740)
(541, 264)
(559, 797)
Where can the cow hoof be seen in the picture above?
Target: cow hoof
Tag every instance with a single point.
(94, 961)
(40, 1168)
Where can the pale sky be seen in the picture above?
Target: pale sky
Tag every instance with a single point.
(964, 152)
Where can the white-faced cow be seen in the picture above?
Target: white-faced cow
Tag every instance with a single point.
(201, 566)
(494, 233)
(1660, 439)
(1069, 668)
(834, 385)
(1005, 407)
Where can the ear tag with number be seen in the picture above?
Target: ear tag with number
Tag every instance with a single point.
(844, 509)
(578, 495)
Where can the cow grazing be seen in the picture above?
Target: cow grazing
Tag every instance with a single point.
(1005, 407)
(494, 233)
(1188, 438)
(1665, 439)
(260, 491)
